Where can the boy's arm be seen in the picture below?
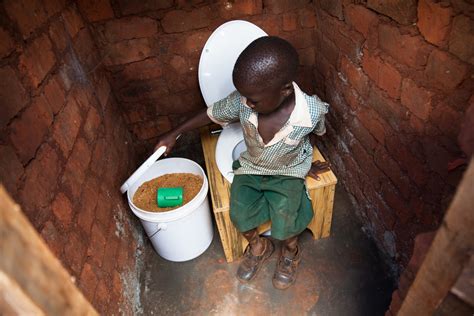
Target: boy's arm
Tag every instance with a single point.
(168, 139)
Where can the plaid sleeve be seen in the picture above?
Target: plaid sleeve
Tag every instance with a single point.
(321, 110)
(226, 110)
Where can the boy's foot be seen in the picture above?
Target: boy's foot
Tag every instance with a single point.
(285, 273)
(251, 264)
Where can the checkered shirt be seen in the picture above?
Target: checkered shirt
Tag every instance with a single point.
(289, 153)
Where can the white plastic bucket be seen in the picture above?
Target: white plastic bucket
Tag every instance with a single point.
(183, 233)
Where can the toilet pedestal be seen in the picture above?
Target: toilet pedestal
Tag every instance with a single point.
(321, 192)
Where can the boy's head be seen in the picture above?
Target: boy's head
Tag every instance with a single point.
(264, 72)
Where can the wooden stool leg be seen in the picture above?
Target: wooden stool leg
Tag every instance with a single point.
(322, 201)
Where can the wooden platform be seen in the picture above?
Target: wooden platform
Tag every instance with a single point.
(321, 192)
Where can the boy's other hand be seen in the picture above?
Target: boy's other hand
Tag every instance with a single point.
(167, 139)
(318, 167)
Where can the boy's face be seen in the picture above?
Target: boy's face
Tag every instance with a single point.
(264, 101)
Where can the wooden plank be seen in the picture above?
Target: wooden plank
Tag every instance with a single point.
(27, 261)
(447, 255)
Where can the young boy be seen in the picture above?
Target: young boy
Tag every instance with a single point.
(277, 119)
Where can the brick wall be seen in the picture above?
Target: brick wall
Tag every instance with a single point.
(152, 50)
(64, 147)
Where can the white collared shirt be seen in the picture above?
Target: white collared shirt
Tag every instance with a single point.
(289, 152)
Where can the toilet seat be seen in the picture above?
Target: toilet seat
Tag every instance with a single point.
(216, 64)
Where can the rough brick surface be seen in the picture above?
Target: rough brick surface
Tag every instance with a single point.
(38, 65)
(280, 6)
(434, 20)
(66, 126)
(137, 6)
(28, 130)
(129, 28)
(127, 51)
(444, 71)
(407, 49)
(402, 11)
(13, 96)
(180, 21)
(11, 169)
(360, 18)
(96, 10)
(416, 99)
(6, 43)
(461, 41)
(28, 14)
(383, 74)
(62, 209)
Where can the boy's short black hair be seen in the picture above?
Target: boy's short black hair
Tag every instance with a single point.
(267, 62)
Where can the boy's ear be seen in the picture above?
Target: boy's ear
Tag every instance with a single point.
(287, 89)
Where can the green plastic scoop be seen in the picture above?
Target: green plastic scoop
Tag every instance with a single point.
(169, 197)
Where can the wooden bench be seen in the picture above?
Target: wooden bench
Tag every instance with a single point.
(321, 192)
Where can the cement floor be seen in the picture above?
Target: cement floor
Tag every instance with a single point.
(339, 275)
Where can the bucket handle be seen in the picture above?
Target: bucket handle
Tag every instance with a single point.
(160, 227)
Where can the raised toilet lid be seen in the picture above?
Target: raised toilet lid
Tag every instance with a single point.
(217, 62)
(219, 55)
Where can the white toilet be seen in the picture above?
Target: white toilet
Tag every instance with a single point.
(215, 80)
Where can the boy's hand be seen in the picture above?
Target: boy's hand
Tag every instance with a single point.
(318, 167)
(167, 139)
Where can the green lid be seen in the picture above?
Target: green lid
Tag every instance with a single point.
(169, 197)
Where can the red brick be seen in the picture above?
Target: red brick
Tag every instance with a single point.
(290, 21)
(92, 124)
(466, 135)
(137, 6)
(13, 96)
(72, 21)
(28, 14)
(383, 74)
(362, 135)
(407, 161)
(53, 238)
(237, 9)
(88, 281)
(461, 40)
(37, 65)
(393, 112)
(102, 297)
(55, 95)
(151, 129)
(58, 34)
(128, 51)
(110, 252)
(145, 90)
(402, 11)
(434, 20)
(179, 64)
(105, 203)
(396, 203)
(193, 43)
(98, 157)
(75, 251)
(365, 161)
(437, 156)
(417, 125)
(299, 39)
(96, 248)
(6, 43)
(29, 130)
(85, 50)
(76, 167)
(307, 18)
(370, 119)
(392, 170)
(352, 98)
(178, 21)
(281, 6)
(62, 209)
(416, 99)
(96, 10)
(53, 6)
(360, 18)
(66, 126)
(355, 76)
(129, 28)
(409, 50)
(89, 198)
(41, 178)
(307, 56)
(349, 42)
(11, 169)
(103, 92)
(444, 71)
(147, 69)
(333, 7)
(271, 24)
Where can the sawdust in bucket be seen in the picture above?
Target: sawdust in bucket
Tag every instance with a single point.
(145, 196)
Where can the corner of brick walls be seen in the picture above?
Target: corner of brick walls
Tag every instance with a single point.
(399, 78)
(152, 48)
(65, 148)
